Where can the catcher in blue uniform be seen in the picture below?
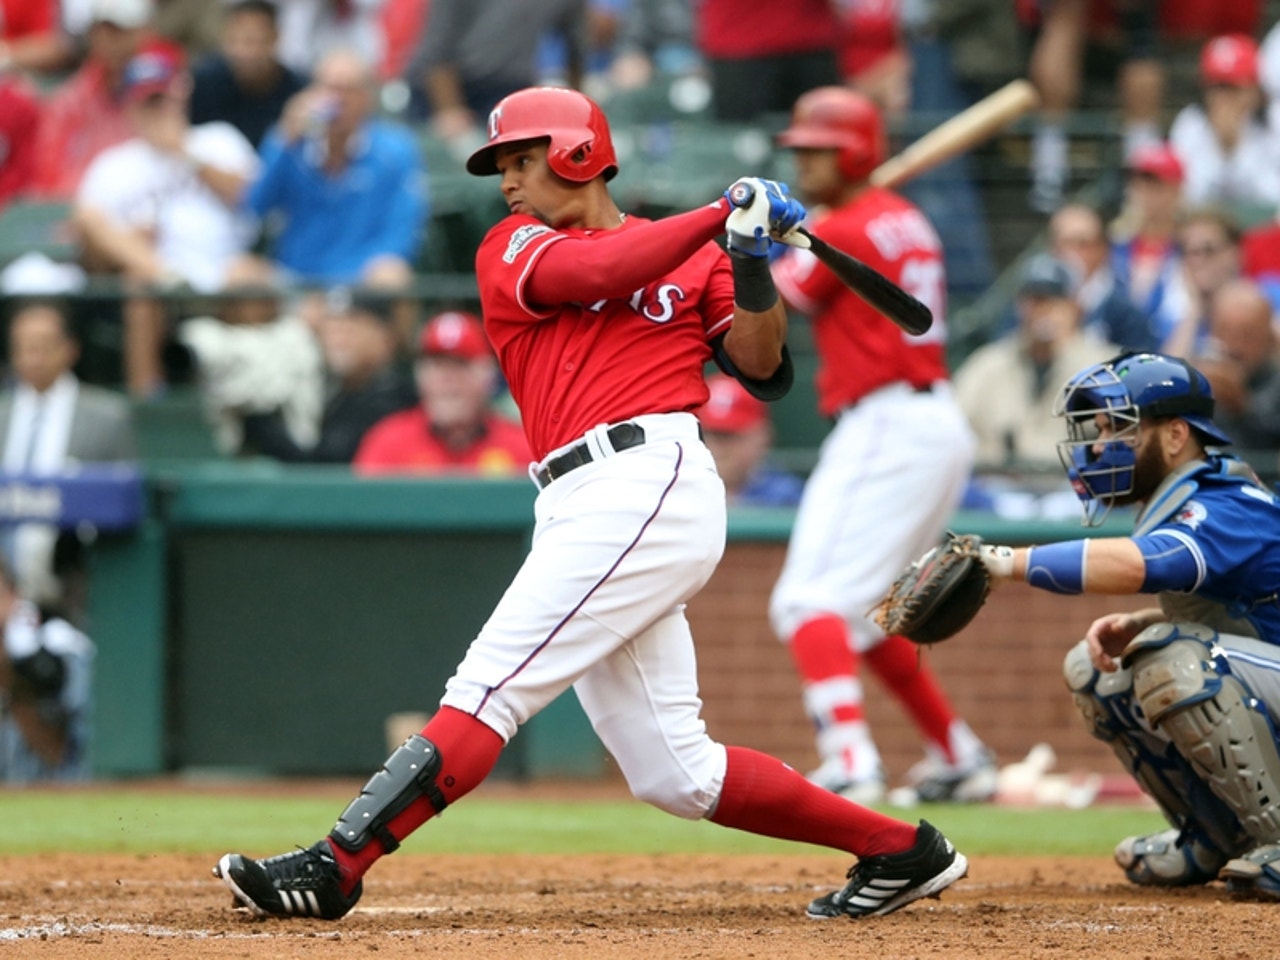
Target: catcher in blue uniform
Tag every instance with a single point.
(1187, 694)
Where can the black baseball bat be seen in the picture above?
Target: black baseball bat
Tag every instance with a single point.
(872, 286)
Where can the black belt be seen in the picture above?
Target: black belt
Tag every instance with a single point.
(621, 436)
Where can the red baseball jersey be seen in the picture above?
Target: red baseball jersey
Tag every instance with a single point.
(404, 443)
(734, 29)
(858, 349)
(573, 366)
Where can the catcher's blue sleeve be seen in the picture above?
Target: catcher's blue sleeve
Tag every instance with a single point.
(1173, 561)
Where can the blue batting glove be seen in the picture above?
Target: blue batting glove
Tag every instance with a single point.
(785, 212)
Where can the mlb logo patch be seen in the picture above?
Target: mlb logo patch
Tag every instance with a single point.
(1191, 515)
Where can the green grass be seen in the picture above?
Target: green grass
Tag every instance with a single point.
(153, 820)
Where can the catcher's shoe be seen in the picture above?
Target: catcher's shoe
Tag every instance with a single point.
(304, 883)
(1168, 859)
(880, 885)
(935, 781)
(1257, 873)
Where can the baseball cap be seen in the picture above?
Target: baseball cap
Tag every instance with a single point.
(1047, 276)
(126, 14)
(730, 409)
(1156, 160)
(454, 334)
(149, 74)
(1231, 59)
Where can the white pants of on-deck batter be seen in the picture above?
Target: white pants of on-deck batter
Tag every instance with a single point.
(619, 546)
(888, 478)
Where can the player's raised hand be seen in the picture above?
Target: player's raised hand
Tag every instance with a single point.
(761, 207)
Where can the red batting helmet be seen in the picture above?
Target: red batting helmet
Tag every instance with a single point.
(580, 149)
(837, 118)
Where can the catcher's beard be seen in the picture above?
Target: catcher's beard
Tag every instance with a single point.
(1148, 473)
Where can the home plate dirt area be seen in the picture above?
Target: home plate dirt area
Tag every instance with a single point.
(607, 906)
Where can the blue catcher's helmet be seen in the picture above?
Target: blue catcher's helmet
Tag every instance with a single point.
(1125, 389)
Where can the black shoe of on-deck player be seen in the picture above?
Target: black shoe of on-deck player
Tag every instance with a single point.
(880, 885)
(304, 883)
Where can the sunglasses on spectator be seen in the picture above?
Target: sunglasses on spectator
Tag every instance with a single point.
(1203, 249)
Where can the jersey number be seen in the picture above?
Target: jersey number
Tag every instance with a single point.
(924, 280)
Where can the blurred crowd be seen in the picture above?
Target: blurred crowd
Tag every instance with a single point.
(269, 154)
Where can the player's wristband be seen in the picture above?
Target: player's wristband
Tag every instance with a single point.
(753, 287)
(1058, 567)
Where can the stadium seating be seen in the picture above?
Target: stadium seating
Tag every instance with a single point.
(36, 226)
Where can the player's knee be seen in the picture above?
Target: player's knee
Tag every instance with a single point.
(1173, 668)
(1102, 698)
(686, 787)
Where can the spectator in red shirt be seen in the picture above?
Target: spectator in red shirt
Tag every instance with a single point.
(30, 38)
(454, 428)
(86, 114)
(19, 120)
(762, 54)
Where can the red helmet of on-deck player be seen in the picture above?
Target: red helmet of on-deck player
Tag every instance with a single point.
(837, 118)
(581, 148)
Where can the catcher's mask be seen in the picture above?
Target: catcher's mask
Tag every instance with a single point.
(1118, 393)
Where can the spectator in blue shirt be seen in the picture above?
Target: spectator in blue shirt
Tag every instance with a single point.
(346, 189)
(739, 434)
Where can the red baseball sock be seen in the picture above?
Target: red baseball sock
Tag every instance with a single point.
(763, 795)
(468, 751)
(821, 651)
(897, 662)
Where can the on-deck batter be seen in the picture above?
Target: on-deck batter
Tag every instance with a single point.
(890, 473)
(602, 325)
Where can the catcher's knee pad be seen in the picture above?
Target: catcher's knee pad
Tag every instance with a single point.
(1187, 690)
(1110, 709)
(1103, 699)
(409, 773)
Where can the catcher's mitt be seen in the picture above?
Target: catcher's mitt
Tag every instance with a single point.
(939, 594)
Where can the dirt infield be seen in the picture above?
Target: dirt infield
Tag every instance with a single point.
(539, 908)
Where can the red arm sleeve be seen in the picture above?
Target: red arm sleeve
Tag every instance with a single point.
(619, 262)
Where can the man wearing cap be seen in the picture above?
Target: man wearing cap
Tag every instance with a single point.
(365, 382)
(1007, 387)
(162, 208)
(1143, 253)
(454, 427)
(739, 433)
(86, 114)
(1223, 140)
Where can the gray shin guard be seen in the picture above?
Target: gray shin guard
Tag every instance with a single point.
(1107, 703)
(1225, 733)
(408, 774)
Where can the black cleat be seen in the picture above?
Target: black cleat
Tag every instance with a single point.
(304, 883)
(880, 885)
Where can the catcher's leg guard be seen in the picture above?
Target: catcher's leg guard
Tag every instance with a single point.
(409, 773)
(1107, 703)
(1185, 686)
